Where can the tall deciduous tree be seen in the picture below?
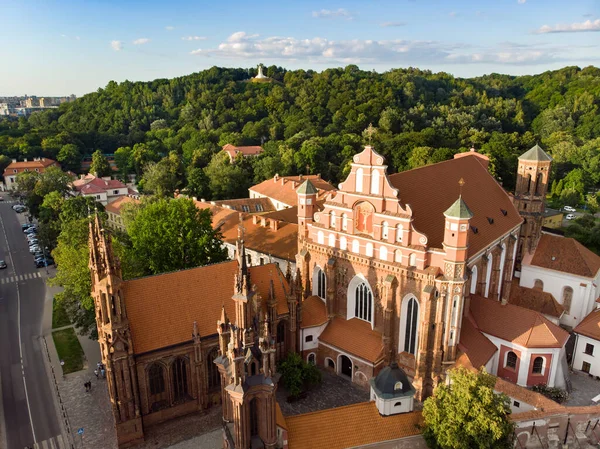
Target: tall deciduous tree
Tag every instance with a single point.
(100, 165)
(164, 177)
(69, 157)
(467, 413)
(172, 234)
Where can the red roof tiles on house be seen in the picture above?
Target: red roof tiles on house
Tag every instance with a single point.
(566, 255)
(115, 206)
(314, 312)
(354, 425)
(283, 188)
(39, 163)
(590, 325)
(355, 337)
(516, 324)
(477, 347)
(535, 299)
(162, 309)
(432, 189)
(245, 151)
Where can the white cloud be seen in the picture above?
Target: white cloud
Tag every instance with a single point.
(319, 50)
(194, 38)
(329, 14)
(141, 41)
(577, 27)
(520, 2)
(393, 24)
(169, 28)
(116, 45)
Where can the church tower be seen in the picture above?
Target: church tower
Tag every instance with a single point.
(530, 197)
(114, 336)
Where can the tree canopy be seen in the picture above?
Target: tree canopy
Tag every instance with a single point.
(468, 413)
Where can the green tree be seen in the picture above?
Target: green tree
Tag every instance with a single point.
(69, 157)
(4, 162)
(172, 234)
(570, 197)
(124, 162)
(197, 183)
(467, 413)
(164, 177)
(100, 165)
(226, 180)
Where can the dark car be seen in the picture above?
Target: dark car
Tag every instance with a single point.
(40, 263)
(3, 264)
(26, 226)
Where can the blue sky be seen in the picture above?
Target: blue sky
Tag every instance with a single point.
(59, 47)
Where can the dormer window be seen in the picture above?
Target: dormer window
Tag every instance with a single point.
(398, 386)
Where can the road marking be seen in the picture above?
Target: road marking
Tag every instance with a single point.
(19, 327)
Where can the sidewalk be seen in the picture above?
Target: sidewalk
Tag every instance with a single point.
(90, 411)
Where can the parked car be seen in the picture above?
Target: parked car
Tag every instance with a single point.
(570, 217)
(3, 264)
(34, 249)
(32, 230)
(32, 236)
(40, 263)
(20, 209)
(569, 209)
(26, 226)
(17, 206)
(34, 243)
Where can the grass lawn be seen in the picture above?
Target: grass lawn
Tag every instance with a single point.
(69, 349)
(59, 315)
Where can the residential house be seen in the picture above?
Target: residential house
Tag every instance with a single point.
(38, 165)
(105, 190)
(587, 346)
(113, 210)
(281, 190)
(246, 151)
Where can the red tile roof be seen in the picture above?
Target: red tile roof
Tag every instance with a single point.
(535, 299)
(162, 309)
(590, 325)
(314, 312)
(89, 189)
(31, 165)
(537, 400)
(566, 255)
(349, 426)
(477, 347)
(115, 206)
(432, 189)
(249, 205)
(355, 337)
(245, 150)
(516, 324)
(283, 188)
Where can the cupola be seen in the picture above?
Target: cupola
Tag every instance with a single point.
(392, 391)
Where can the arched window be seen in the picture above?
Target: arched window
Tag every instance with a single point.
(488, 276)
(473, 288)
(399, 233)
(332, 240)
(214, 379)
(329, 363)
(385, 230)
(511, 360)
(369, 249)
(355, 246)
(344, 222)
(319, 286)
(398, 256)
(363, 302)
(345, 365)
(156, 379)
(343, 243)
(539, 184)
(412, 260)
(359, 180)
(375, 182)
(567, 297)
(410, 325)
(320, 238)
(180, 380)
(528, 182)
(539, 284)
(383, 253)
(538, 365)
(333, 219)
(312, 359)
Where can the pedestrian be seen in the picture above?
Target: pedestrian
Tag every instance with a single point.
(103, 373)
(85, 386)
(90, 385)
(99, 365)
(96, 373)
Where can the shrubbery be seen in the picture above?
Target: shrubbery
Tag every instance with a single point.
(297, 375)
(556, 394)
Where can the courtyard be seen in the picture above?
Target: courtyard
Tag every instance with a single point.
(584, 389)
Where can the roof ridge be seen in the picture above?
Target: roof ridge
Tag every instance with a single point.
(584, 254)
(437, 163)
(341, 407)
(183, 269)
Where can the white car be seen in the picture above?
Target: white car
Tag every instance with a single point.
(569, 209)
(34, 249)
(570, 217)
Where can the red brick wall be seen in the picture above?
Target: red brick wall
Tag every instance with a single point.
(508, 373)
(535, 379)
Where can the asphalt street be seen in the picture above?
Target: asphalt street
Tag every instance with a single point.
(27, 397)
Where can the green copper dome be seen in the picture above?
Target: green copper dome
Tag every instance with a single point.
(535, 154)
(307, 188)
(459, 210)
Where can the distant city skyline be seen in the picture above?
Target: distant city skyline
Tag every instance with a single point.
(59, 48)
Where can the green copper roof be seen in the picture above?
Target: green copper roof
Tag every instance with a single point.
(307, 188)
(535, 154)
(459, 210)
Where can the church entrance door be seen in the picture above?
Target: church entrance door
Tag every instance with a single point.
(346, 366)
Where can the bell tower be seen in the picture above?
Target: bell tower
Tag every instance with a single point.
(530, 197)
(114, 336)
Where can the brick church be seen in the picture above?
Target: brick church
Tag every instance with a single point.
(411, 271)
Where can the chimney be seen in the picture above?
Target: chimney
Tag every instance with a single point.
(25, 160)
(318, 175)
(276, 177)
(263, 221)
(81, 176)
(294, 185)
(194, 198)
(36, 159)
(283, 181)
(274, 225)
(43, 159)
(254, 219)
(14, 161)
(300, 177)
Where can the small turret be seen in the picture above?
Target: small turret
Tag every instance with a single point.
(307, 198)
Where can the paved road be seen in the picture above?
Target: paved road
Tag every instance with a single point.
(27, 400)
